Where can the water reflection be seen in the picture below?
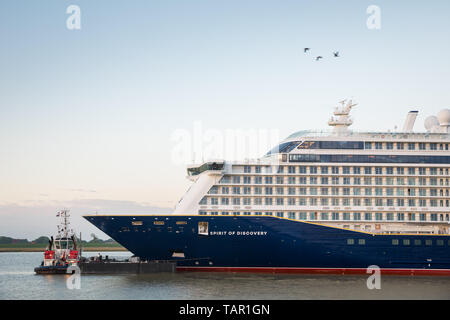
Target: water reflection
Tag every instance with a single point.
(19, 282)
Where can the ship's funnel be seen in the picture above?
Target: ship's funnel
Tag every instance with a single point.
(409, 122)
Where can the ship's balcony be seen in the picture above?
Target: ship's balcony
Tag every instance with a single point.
(216, 166)
(341, 112)
(338, 122)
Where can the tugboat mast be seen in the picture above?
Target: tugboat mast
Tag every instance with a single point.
(64, 232)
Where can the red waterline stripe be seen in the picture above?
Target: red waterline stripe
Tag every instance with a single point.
(411, 272)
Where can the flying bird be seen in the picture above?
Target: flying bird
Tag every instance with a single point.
(306, 50)
(336, 54)
(319, 57)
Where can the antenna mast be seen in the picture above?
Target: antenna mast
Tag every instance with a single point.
(342, 120)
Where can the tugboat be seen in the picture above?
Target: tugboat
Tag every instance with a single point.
(62, 251)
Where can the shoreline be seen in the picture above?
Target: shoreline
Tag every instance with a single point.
(86, 249)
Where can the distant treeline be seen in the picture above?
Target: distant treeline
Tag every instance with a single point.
(43, 241)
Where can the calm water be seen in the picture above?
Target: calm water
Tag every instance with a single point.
(18, 281)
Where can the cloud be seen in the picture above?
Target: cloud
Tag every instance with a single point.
(39, 218)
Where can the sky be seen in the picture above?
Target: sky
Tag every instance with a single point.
(87, 116)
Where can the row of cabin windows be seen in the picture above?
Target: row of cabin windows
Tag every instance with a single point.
(418, 242)
(345, 216)
(405, 242)
(370, 145)
(346, 170)
(288, 146)
(411, 181)
(378, 202)
(405, 146)
(365, 158)
(346, 191)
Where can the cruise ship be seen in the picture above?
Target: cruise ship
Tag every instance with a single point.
(334, 201)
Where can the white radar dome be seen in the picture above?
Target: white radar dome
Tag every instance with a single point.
(444, 117)
(431, 122)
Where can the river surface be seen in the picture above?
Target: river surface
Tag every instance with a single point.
(18, 281)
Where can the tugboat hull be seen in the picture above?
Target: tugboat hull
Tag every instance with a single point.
(51, 270)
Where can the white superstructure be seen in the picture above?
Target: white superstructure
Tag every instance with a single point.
(391, 182)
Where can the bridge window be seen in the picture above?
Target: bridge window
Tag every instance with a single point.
(284, 147)
(360, 158)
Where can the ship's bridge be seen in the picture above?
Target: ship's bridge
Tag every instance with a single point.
(310, 139)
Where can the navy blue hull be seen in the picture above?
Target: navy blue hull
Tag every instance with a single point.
(270, 242)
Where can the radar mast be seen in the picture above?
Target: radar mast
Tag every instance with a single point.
(341, 119)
